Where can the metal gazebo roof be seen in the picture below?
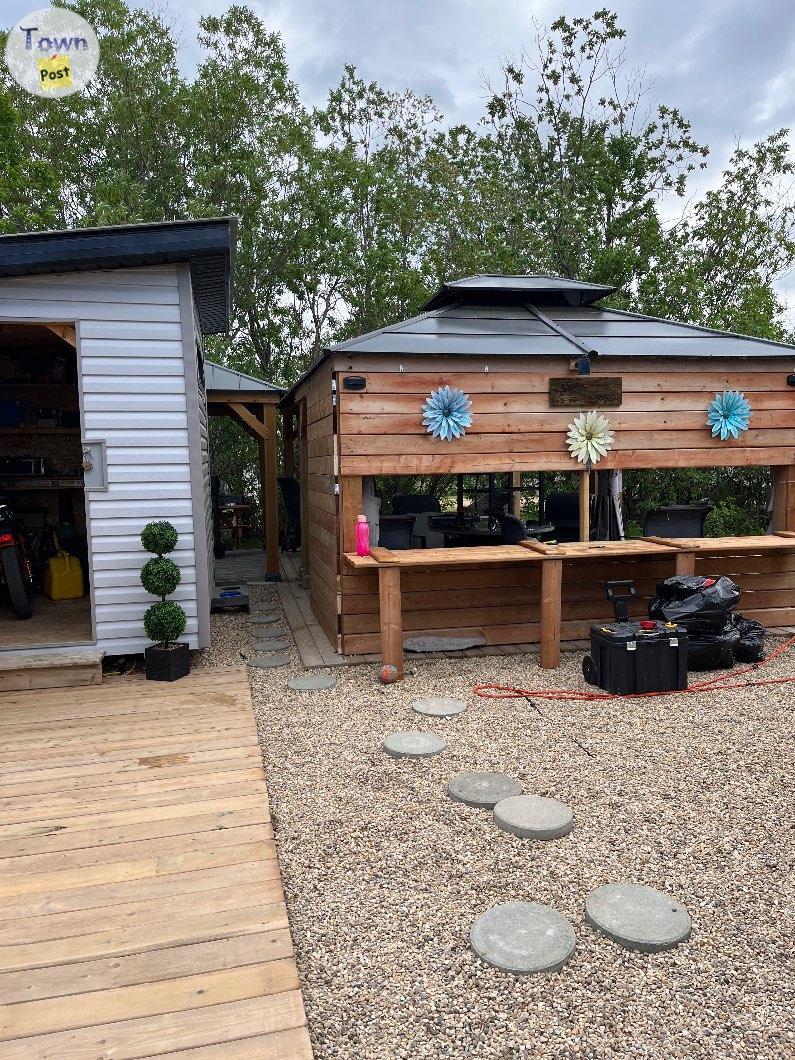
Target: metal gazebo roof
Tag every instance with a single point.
(226, 380)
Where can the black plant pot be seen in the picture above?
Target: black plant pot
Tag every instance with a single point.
(167, 662)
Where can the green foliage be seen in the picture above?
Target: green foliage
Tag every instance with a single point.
(165, 621)
(159, 537)
(160, 576)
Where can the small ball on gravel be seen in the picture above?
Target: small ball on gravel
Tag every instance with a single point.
(637, 917)
(413, 744)
(482, 789)
(523, 937)
(439, 706)
(388, 674)
(534, 817)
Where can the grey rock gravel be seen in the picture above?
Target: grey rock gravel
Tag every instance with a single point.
(384, 875)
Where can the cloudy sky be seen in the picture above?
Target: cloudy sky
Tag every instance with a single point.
(729, 65)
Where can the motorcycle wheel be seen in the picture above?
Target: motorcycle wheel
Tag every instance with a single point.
(17, 583)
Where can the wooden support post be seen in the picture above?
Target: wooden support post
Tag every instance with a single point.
(551, 587)
(391, 620)
(585, 506)
(783, 498)
(685, 563)
(269, 498)
(303, 491)
(288, 442)
(350, 507)
(516, 494)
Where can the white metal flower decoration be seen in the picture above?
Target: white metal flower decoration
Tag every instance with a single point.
(446, 413)
(589, 437)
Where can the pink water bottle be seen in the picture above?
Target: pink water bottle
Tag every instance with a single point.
(362, 536)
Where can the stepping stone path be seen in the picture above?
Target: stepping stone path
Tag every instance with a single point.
(484, 790)
(265, 618)
(523, 937)
(268, 662)
(413, 744)
(311, 682)
(533, 817)
(271, 645)
(439, 706)
(270, 632)
(637, 917)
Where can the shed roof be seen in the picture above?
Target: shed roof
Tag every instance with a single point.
(222, 379)
(538, 289)
(207, 245)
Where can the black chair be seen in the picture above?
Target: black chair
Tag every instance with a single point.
(290, 539)
(394, 531)
(414, 504)
(563, 511)
(676, 520)
(512, 530)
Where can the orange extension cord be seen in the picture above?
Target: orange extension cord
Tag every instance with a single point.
(714, 684)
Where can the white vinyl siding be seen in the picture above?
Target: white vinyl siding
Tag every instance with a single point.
(133, 397)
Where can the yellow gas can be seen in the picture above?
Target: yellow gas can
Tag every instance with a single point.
(63, 578)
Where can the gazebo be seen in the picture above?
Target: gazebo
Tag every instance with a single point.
(530, 354)
(252, 403)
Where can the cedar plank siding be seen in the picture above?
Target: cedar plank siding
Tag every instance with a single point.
(133, 396)
(661, 423)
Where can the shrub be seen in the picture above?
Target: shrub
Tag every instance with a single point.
(160, 576)
(159, 537)
(165, 621)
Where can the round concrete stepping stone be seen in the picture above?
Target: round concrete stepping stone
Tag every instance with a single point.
(439, 706)
(270, 632)
(482, 789)
(311, 682)
(534, 817)
(523, 937)
(637, 917)
(271, 645)
(413, 744)
(265, 618)
(268, 662)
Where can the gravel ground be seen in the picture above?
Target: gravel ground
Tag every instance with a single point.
(384, 873)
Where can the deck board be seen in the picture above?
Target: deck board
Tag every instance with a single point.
(141, 906)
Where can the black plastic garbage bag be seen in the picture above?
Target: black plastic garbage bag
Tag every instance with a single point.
(751, 645)
(713, 651)
(701, 605)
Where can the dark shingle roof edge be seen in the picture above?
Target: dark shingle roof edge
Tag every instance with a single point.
(205, 244)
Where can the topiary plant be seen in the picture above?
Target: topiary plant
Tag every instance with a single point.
(165, 621)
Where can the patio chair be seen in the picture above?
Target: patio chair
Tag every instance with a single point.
(290, 539)
(415, 504)
(563, 511)
(512, 530)
(677, 520)
(394, 531)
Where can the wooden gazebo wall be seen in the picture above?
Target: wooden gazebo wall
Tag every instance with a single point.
(661, 422)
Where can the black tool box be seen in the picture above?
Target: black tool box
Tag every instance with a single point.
(629, 657)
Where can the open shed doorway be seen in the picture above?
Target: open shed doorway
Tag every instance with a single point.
(41, 484)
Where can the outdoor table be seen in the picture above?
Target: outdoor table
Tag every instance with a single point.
(551, 557)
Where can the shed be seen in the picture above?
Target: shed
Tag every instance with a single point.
(104, 414)
(531, 352)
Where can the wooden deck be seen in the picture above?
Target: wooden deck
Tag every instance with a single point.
(141, 904)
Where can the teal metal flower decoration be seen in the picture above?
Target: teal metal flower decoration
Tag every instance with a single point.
(446, 413)
(728, 415)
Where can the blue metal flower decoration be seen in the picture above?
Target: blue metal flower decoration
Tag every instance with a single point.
(728, 415)
(446, 413)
